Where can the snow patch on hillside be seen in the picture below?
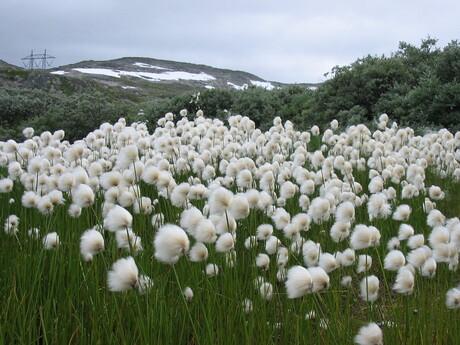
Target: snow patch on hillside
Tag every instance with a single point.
(263, 84)
(59, 72)
(169, 75)
(238, 87)
(146, 65)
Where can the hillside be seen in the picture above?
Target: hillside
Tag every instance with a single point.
(133, 78)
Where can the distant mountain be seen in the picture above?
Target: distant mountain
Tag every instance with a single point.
(132, 77)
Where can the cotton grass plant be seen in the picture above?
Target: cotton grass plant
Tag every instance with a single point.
(201, 233)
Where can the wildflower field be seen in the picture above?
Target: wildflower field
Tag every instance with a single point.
(206, 232)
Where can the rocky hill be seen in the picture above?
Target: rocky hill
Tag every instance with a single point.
(131, 77)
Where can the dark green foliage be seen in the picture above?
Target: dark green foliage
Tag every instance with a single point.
(259, 104)
(415, 86)
(77, 114)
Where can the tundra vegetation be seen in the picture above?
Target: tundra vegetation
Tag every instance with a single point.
(205, 232)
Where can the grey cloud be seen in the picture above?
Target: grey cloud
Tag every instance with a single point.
(289, 41)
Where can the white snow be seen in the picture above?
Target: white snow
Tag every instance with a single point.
(209, 87)
(238, 87)
(170, 75)
(59, 72)
(264, 84)
(99, 71)
(146, 65)
(128, 87)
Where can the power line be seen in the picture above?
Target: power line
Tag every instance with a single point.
(39, 61)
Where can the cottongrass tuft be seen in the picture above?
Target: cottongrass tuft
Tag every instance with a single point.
(263, 261)
(435, 218)
(51, 240)
(198, 252)
(91, 243)
(369, 288)
(320, 279)
(212, 270)
(11, 225)
(266, 291)
(188, 293)
(264, 231)
(453, 298)
(299, 282)
(117, 219)
(371, 334)
(402, 213)
(144, 284)
(225, 242)
(364, 263)
(346, 281)
(361, 237)
(123, 275)
(394, 260)
(247, 306)
(170, 243)
(405, 281)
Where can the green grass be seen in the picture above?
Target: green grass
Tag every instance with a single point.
(54, 297)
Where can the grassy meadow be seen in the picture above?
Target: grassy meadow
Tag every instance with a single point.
(206, 232)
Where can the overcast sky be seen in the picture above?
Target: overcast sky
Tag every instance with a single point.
(278, 40)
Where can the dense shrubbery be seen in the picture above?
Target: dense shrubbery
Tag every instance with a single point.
(50, 111)
(415, 86)
(259, 104)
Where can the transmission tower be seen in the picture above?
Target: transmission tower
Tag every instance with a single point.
(39, 61)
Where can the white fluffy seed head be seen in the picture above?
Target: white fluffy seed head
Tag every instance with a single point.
(327, 262)
(405, 280)
(345, 212)
(239, 208)
(188, 293)
(225, 242)
(361, 237)
(144, 284)
(346, 281)
(369, 288)
(262, 261)
(264, 231)
(371, 334)
(405, 231)
(416, 241)
(402, 213)
(266, 291)
(123, 275)
(170, 243)
(394, 260)
(429, 268)
(453, 298)
(206, 231)
(91, 242)
(190, 218)
(439, 235)
(364, 263)
(212, 270)
(435, 218)
(51, 240)
(272, 244)
(127, 156)
(320, 279)
(220, 200)
(117, 219)
(83, 195)
(299, 282)
(198, 252)
(340, 231)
